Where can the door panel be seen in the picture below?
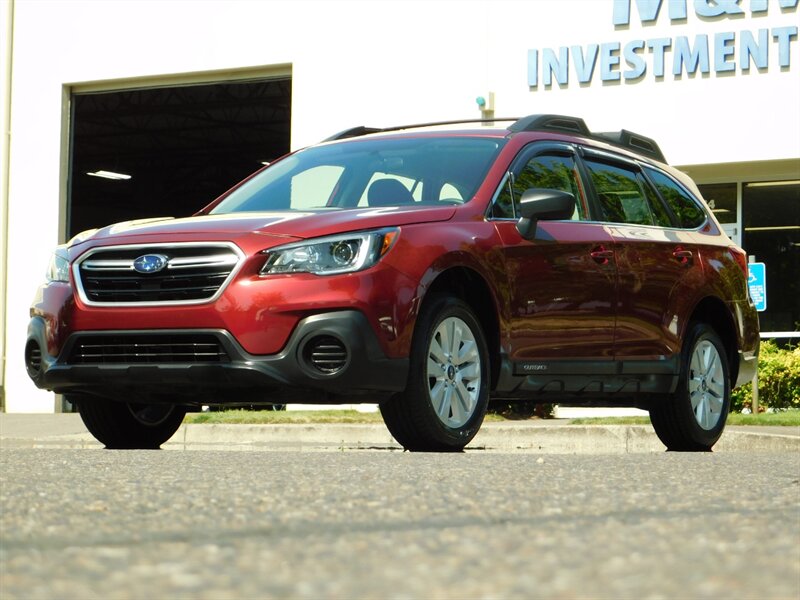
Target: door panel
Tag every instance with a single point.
(562, 298)
(656, 267)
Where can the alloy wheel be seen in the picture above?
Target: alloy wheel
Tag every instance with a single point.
(706, 384)
(454, 372)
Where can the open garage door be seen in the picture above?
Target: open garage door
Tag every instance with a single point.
(168, 151)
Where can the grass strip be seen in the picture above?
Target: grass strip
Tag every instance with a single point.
(787, 418)
(282, 417)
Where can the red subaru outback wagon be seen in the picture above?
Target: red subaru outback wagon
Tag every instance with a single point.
(428, 269)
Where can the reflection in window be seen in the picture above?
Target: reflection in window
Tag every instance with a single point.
(449, 192)
(620, 193)
(548, 172)
(313, 188)
(686, 210)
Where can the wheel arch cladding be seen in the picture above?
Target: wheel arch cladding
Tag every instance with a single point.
(472, 289)
(713, 311)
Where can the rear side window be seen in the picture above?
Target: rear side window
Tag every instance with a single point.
(624, 196)
(685, 207)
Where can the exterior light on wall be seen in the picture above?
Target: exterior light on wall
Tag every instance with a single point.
(773, 183)
(110, 175)
(485, 102)
(781, 228)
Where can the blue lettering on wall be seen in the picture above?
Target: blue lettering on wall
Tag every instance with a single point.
(784, 36)
(648, 10)
(609, 61)
(723, 48)
(758, 51)
(717, 8)
(533, 68)
(689, 57)
(632, 60)
(659, 47)
(584, 62)
(555, 65)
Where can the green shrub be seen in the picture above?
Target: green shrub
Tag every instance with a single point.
(521, 410)
(778, 380)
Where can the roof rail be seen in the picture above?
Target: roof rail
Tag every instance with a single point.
(628, 140)
(352, 132)
(632, 141)
(361, 130)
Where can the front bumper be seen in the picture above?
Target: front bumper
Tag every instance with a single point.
(364, 374)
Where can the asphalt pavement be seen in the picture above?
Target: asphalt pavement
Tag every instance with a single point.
(556, 436)
(88, 524)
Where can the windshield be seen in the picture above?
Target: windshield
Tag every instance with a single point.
(379, 172)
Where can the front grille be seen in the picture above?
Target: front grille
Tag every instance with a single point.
(147, 349)
(326, 353)
(192, 273)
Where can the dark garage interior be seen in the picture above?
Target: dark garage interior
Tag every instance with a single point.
(180, 146)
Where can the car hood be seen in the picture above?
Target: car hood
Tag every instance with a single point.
(283, 223)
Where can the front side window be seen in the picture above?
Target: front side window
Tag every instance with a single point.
(549, 171)
(686, 209)
(372, 172)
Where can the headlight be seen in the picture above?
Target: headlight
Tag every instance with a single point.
(58, 269)
(331, 255)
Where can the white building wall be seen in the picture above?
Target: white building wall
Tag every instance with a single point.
(6, 18)
(372, 63)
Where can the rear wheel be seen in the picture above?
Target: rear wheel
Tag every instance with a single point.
(129, 425)
(694, 417)
(447, 392)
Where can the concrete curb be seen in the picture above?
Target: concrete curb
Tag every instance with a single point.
(536, 437)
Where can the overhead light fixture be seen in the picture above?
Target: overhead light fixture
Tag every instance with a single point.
(774, 183)
(110, 175)
(265, 163)
(784, 228)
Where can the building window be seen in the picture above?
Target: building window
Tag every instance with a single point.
(771, 215)
(721, 198)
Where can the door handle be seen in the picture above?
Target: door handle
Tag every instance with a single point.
(683, 256)
(601, 256)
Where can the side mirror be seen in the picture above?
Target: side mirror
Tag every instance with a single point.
(544, 204)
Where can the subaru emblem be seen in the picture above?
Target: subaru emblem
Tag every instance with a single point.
(150, 263)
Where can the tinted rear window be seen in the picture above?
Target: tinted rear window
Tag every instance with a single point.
(686, 209)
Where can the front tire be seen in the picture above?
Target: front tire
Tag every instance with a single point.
(447, 391)
(128, 425)
(694, 417)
